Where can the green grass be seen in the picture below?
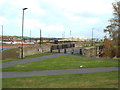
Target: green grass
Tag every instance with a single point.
(97, 44)
(78, 54)
(62, 62)
(32, 56)
(85, 80)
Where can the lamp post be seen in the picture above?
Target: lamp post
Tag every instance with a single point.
(22, 32)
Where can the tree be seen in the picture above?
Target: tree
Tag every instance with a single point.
(114, 30)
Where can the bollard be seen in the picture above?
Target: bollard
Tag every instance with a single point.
(80, 51)
(65, 50)
(72, 51)
(50, 50)
(58, 50)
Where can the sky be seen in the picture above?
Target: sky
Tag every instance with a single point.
(56, 18)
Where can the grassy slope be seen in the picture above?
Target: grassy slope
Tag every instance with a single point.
(62, 62)
(87, 80)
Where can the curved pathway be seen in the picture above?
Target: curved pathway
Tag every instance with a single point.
(23, 61)
(57, 72)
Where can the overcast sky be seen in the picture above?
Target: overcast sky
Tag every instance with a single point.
(54, 17)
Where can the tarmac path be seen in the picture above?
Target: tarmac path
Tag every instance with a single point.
(23, 61)
(49, 72)
(57, 72)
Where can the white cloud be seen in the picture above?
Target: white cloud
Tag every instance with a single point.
(55, 15)
(3, 20)
(32, 5)
(92, 20)
(31, 24)
(53, 28)
(72, 17)
(70, 8)
(1, 1)
(75, 6)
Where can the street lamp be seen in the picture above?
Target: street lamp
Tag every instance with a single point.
(22, 32)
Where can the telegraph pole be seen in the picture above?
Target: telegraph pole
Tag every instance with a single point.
(70, 35)
(30, 35)
(64, 36)
(40, 39)
(70, 32)
(92, 36)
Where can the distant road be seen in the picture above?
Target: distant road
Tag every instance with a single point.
(10, 46)
(5, 48)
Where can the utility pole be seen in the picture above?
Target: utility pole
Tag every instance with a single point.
(40, 39)
(92, 36)
(30, 36)
(70, 35)
(64, 36)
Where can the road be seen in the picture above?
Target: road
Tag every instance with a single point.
(5, 48)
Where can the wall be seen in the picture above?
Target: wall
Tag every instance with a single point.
(30, 50)
(11, 53)
(91, 51)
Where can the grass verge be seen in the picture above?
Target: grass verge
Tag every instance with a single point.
(62, 62)
(84, 80)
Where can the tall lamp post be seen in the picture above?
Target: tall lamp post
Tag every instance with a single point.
(22, 31)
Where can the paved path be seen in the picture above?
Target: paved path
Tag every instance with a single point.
(56, 72)
(23, 61)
